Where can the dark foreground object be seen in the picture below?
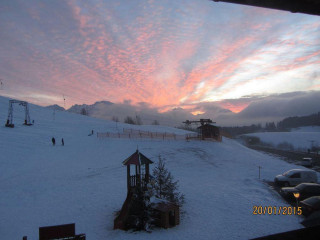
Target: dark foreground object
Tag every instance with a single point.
(294, 6)
(66, 231)
(310, 233)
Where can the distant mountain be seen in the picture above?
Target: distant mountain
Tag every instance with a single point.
(143, 111)
(56, 107)
(89, 109)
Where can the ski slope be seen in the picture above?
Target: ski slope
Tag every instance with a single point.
(84, 182)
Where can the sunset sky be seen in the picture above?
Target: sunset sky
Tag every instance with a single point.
(166, 53)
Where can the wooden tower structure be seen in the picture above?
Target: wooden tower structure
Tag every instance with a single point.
(140, 175)
(165, 213)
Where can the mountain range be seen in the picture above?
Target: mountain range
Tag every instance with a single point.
(272, 108)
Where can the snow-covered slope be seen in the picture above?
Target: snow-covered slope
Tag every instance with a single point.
(84, 181)
(300, 138)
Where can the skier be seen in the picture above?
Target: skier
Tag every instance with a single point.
(62, 142)
(53, 141)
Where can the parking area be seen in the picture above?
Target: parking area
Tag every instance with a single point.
(290, 156)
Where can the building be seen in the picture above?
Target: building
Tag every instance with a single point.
(208, 131)
(166, 214)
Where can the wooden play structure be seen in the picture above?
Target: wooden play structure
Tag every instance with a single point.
(165, 214)
(137, 176)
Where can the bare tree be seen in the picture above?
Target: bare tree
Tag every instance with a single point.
(84, 112)
(155, 122)
(115, 119)
(138, 120)
(129, 120)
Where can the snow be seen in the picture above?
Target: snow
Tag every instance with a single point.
(300, 139)
(84, 182)
(306, 129)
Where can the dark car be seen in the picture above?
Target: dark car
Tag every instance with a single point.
(306, 162)
(310, 205)
(305, 190)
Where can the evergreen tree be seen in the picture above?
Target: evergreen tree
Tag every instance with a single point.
(164, 185)
(140, 211)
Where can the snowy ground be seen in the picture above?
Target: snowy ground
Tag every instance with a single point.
(300, 138)
(84, 181)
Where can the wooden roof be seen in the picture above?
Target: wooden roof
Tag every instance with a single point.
(137, 158)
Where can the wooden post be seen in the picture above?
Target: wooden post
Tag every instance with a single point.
(147, 172)
(259, 171)
(128, 177)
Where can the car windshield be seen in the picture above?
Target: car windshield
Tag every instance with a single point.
(313, 201)
(287, 174)
(300, 187)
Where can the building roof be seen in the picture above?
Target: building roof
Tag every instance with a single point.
(137, 158)
(207, 126)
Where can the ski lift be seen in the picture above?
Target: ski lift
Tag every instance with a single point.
(9, 122)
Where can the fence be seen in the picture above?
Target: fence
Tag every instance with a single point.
(138, 134)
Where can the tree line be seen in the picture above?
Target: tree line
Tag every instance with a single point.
(133, 120)
(284, 125)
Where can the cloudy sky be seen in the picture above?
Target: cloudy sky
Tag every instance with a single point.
(166, 54)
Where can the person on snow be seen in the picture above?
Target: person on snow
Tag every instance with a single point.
(53, 141)
(62, 142)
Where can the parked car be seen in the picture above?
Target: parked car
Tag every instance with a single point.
(306, 162)
(296, 176)
(310, 205)
(305, 190)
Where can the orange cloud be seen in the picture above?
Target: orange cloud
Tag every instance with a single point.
(149, 52)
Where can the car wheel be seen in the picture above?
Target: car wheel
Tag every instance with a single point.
(286, 184)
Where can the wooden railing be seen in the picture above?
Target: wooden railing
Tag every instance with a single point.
(136, 180)
(139, 134)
